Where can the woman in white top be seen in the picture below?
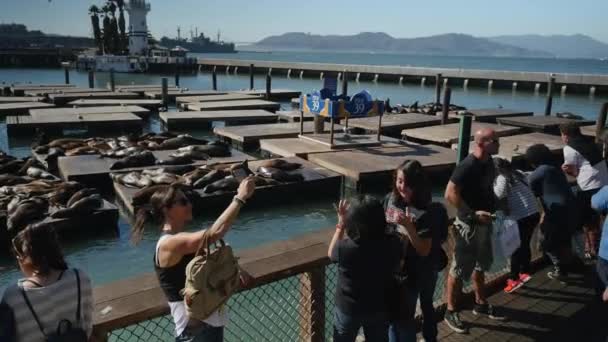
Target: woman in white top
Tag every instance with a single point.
(517, 200)
(53, 291)
(172, 210)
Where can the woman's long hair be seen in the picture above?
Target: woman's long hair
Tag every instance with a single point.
(153, 212)
(365, 219)
(417, 180)
(39, 242)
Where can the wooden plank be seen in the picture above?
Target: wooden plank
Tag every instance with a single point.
(448, 134)
(491, 114)
(588, 130)
(182, 101)
(22, 124)
(27, 86)
(255, 116)
(514, 147)
(393, 124)
(21, 107)
(141, 90)
(318, 182)
(276, 94)
(541, 123)
(151, 104)
(235, 105)
(42, 113)
(172, 94)
(16, 99)
(367, 163)
(250, 135)
(294, 116)
(65, 98)
(46, 92)
(303, 147)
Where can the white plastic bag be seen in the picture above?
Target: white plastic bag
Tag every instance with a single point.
(506, 236)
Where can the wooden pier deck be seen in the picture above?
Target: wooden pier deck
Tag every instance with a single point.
(514, 147)
(541, 123)
(446, 135)
(61, 99)
(490, 115)
(20, 89)
(304, 146)
(42, 113)
(93, 170)
(230, 117)
(235, 105)
(145, 103)
(293, 116)
(588, 130)
(46, 92)
(318, 182)
(141, 89)
(16, 99)
(173, 94)
(249, 136)
(19, 108)
(275, 94)
(372, 168)
(25, 124)
(393, 124)
(183, 102)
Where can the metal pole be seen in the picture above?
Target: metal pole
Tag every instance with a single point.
(165, 93)
(301, 122)
(251, 76)
(177, 78)
(331, 134)
(67, 75)
(112, 81)
(91, 79)
(268, 86)
(438, 89)
(214, 79)
(549, 96)
(464, 137)
(344, 85)
(447, 96)
(379, 126)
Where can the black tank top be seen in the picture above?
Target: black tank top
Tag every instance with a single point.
(172, 279)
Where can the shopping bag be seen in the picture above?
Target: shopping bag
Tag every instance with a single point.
(506, 236)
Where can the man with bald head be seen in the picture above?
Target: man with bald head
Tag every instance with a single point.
(470, 191)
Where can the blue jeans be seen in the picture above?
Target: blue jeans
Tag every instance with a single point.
(204, 333)
(346, 327)
(405, 330)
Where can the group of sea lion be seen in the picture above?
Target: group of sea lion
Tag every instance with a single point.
(211, 179)
(28, 194)
(428, 108)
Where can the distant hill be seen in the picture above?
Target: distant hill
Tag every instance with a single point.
(451, 44)
(573, 46)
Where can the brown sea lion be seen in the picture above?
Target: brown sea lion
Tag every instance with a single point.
(66, 141)
(80, 194)
(38, 173)
(180, 160)
(213, 149)
(280, 164)
(261, 181)
(26, 212)
(227, 184)
(12, 166)
(82, 207)
(180, 141)
(64, 192)
(8, 179)
(138, 159)
(194, 155)
(82, 150)
(279, 175)
(209, 178)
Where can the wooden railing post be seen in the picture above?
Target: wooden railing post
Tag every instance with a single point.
(312, 305)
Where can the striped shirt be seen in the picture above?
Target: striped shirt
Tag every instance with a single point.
(52, 304)
(520, 198)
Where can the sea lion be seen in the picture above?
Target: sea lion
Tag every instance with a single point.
(29, 163)
(64, 192)
(54, 153)
(12, 166)
(83, 206)
(165, 178)
(568, 115)
(279, 175)
(38, 173)
(121, 152)
(26, 212)
(178, 169)
(180, 141)
(142, 196)
(66, 142)
(133, 179)
(82, 150)
(213, 149)
(137, 159)
(8, 179)
(227, 184)
(209, 178)
(261, 181)
(194, 155)
(280, 164)
(180, 160)
(192, 176)
(80, 194)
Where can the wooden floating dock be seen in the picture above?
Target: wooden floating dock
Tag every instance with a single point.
(173, 94)
(25, 124)
(60, 99)
(146, 103)
(588, 130)
(446, 135)
(95, 171)
(184, 101)
(319, 143)
(373, 167)
(514, 147)
(19, 89)
(541, 123)
(140, 90)
(275, 94)
(294, 116)
(49, 91)
(19, 108)
(235, 105)
(16, 99)
(393, 124)
(490, 115)
(43, 113)
(230, 117)
(248, 137)
(318, 182)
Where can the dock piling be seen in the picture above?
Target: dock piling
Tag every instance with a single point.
(251, 66)
(564, 88)
(401, 80)
(112, 80)
(423, 81)
(464, 137)
(268, 86)
(601, 123)
(165, 92)
(67, 75)
(358, 76)
(321, 75)
(514, 86)
(438, 89)
(490, 84)
(214, 79)
(301, 74)
(536, 87)
(447, 95)
(344, 85)
(91, 79)
(549, 103)
(592, 91)
(177, 78)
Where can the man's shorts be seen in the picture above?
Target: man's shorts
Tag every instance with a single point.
(588, 216)
(472, 249)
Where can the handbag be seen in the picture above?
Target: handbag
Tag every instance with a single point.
(65, 331)
(506, 237)
(212, 276)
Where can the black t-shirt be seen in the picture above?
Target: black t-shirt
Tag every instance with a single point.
(475, 178)
(366, 273)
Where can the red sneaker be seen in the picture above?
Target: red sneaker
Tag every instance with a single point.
(513, 285)
(524, 277)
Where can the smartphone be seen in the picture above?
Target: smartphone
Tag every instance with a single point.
(239, 174)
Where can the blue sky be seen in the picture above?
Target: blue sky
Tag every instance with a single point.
(249, 20)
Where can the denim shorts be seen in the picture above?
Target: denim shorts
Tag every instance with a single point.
(472, 249)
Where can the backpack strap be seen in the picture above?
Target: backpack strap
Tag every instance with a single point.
(78, 307)
(29, 305)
